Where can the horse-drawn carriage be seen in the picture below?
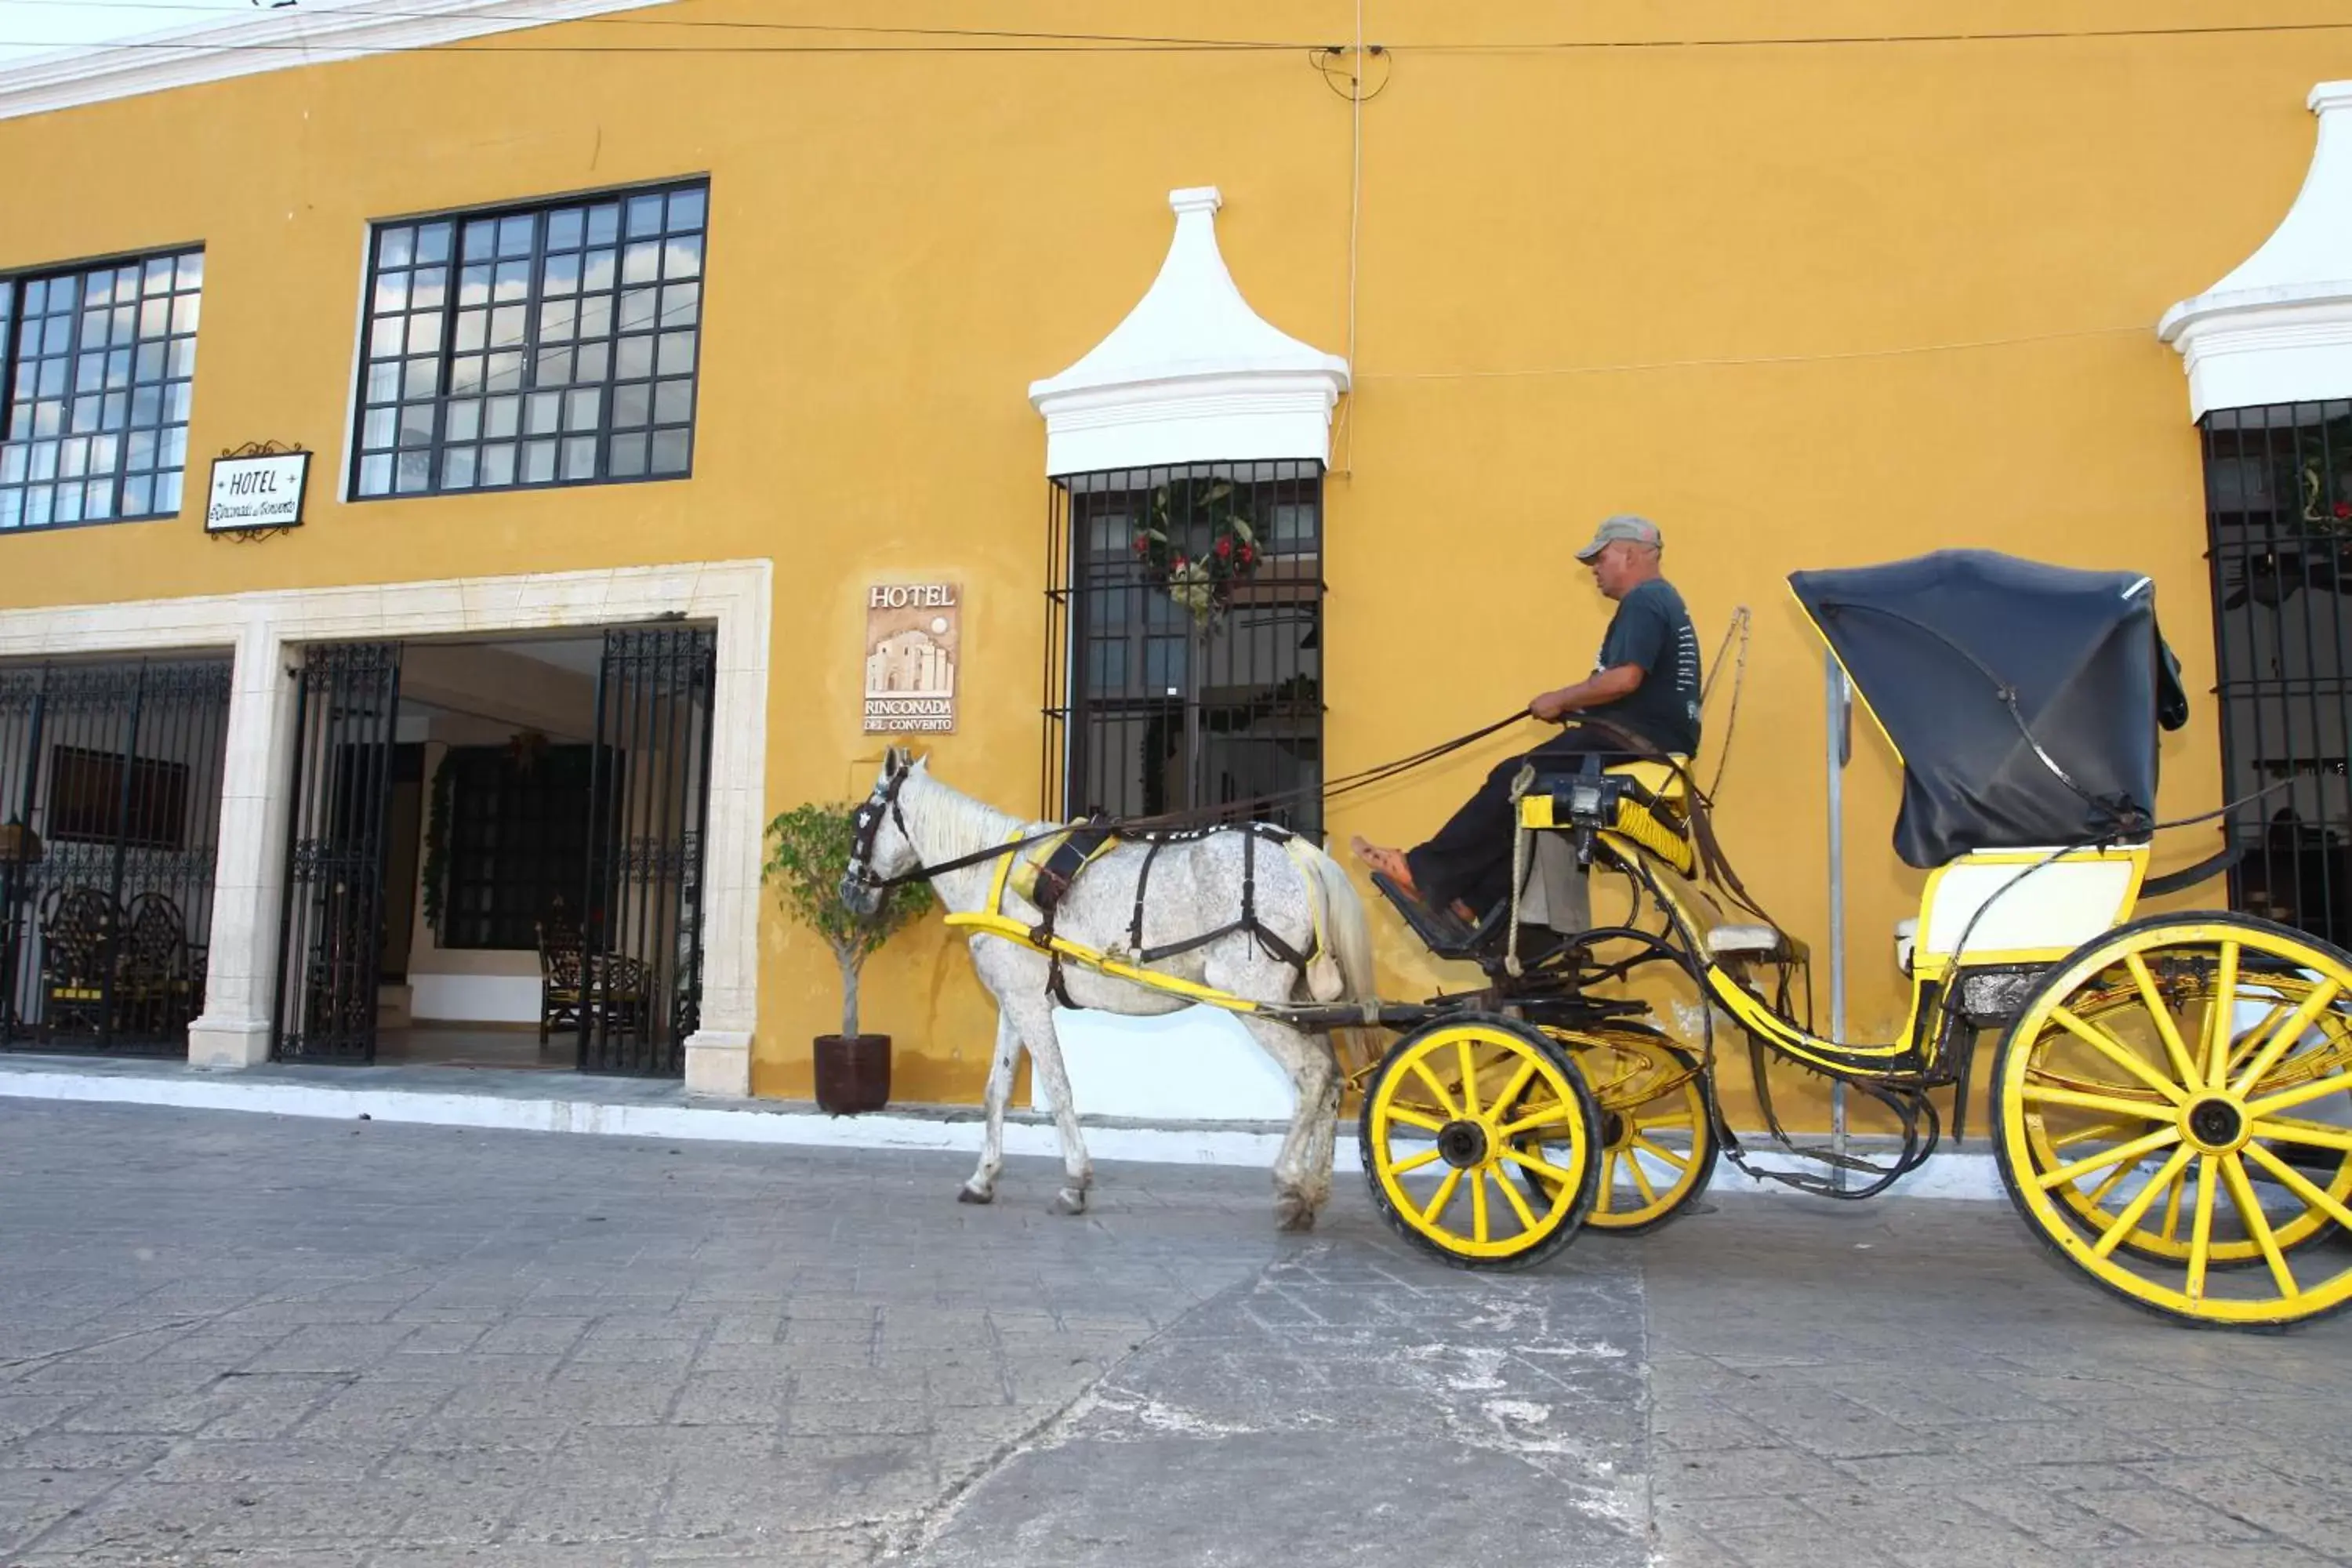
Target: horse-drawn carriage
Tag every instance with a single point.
(2161, 1087)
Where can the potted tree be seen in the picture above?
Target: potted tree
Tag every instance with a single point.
(808, 854)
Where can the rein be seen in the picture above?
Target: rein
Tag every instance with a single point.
(872, 814)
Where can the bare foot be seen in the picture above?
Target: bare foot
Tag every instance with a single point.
(1388, 863)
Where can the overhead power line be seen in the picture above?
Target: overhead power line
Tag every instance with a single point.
(988, 40)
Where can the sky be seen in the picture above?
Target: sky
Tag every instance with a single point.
(29, 27)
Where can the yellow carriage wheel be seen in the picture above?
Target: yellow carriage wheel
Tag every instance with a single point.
(2175, 1098)
(1453, 1114)
(2164, 1230)
(1657, 1138)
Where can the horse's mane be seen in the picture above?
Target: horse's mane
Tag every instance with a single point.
(963, 823)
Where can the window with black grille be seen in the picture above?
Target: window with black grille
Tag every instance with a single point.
(518, 825)
(98, 363)
(2278, 486)
(1176, 682)
(553, 344)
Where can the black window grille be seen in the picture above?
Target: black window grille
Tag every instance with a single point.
(550, 344)
(2278, 485)
(1152, 708)
(98, 362)
(518, 825)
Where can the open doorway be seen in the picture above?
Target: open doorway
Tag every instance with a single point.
(532, 812)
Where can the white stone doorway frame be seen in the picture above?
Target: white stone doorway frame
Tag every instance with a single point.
(248, 877)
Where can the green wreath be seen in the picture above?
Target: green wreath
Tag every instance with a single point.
(1202, 577)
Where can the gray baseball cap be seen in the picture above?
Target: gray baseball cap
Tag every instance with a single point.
(1625, 525)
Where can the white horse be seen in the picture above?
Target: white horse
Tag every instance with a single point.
(911, 821)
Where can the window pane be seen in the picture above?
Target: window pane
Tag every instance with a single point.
(512, 390)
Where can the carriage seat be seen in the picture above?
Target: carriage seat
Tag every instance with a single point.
(1757, 942)
(1663, 781)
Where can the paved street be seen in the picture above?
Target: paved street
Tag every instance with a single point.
(237, 1340)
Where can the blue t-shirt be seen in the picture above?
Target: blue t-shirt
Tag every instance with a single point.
(1652, 631)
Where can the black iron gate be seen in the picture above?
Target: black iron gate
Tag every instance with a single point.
(109, 816)
(641, 981)
(1183, 659)
(331, 933)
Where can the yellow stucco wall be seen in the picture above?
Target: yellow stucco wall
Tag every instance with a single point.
(1805, 305)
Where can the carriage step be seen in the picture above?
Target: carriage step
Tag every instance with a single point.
(1443, 931)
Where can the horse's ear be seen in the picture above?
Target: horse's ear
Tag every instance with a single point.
(922, 764)
(894, 761)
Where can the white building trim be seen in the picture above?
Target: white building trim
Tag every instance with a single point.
(2279, 328)
(275, 39)
(262, 627)
(1192, 375)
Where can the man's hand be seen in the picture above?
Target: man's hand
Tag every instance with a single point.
(1622, 680)
(1549, 707)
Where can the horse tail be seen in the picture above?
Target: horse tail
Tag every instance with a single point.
(1347, 937)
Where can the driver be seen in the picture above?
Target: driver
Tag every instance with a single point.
(1642, 700)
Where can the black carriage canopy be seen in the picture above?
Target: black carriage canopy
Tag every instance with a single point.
(1940, 647)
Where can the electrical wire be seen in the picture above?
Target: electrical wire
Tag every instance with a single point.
(1052, 42)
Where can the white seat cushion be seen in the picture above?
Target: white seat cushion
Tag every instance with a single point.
(1726, 940)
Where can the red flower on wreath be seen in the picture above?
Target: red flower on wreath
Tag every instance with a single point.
(2343, 511)
(1197, 542)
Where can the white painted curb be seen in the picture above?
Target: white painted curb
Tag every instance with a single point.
(1963, 1175)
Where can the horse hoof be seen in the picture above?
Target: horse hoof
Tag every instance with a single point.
(968, 1194)
(1294, 1216)
(1069, 1201)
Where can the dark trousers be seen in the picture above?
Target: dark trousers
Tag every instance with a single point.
(1469, 858)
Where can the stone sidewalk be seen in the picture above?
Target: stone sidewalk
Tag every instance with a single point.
(240, 1340)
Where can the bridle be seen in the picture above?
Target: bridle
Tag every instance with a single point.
(866, 827)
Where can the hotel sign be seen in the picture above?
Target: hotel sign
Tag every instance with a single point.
(262, 490)
(914, 642)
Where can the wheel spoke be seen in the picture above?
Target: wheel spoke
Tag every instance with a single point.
(2301, 1185)
(2201, 1229)
(1468, 1059)
(2301, 1094)
(1607, 1183)
(2172, 1231)
(1543, 1168)
(1676, 1119)
(2099, 1195)
(1642, 1180)
(1478, 1203)
(2124, 1223)
(2250, 1208)
(2163, 1137)
(2284, 1038)
(2175, 1046)
(1663, 1153)
(2311, 1133)
(2086, 1134)
(1444, 1195)
(1426, 1157)
(1445, 1101)
(2107, 1046)
(1555, 1114)
(1519, 1083)
(2051, 1094)
(2220, 1013)
(1414, 1118)
(1511, 1190)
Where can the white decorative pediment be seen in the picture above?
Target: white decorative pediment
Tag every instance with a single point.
(2279, 328)
(1192, 375)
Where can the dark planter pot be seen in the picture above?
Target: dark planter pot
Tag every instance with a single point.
(852, 1075)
